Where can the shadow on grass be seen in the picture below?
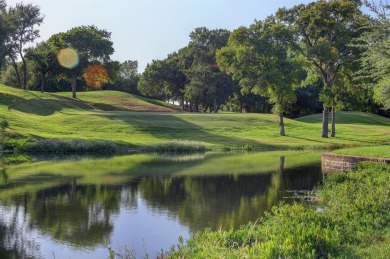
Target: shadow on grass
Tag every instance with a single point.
(9, 99)
(359, 118)
(46, 107)
(169, 127)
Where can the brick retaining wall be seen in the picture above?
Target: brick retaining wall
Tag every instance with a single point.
(336, 162)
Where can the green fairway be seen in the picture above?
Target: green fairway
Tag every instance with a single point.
(113, 116)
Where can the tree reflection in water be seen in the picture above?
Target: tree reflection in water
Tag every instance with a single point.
(84, 215)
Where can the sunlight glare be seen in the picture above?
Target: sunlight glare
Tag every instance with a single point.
(68, 58)
(95, 76)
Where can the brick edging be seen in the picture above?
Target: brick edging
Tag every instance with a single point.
(336, 162)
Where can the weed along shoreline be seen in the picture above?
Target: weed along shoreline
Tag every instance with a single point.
(332, 162)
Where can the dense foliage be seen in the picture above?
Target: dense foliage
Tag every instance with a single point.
(351, 217)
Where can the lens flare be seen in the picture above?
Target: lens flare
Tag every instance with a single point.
(95, 76)
(68, 58)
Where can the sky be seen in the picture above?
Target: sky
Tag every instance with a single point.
(145, 30)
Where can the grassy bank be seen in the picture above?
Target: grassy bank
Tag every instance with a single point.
(115, 117)
(350, 220)
(374, 151)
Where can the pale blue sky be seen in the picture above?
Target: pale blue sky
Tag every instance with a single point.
(144, 30)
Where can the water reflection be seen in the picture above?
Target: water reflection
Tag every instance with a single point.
(135, 198)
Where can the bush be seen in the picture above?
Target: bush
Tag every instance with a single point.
(4, 124)
(289, 231)
(14, 142)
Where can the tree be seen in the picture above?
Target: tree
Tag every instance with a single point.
(22, 21)
(325, 29)
(44, 58)
(128, 76)
(79, 47)
(207, 85)
(3, 32)
(375, 43)
(164, 79)
(259, 58)
(153, 80)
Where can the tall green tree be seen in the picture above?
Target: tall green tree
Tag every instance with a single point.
(260, 59)
(153, 80)
(22, 21)
(164, 79)
(207, 85)
(375, 43)
(128, 76)
(325, 30)
(43, 57)
(3, 32)
(90, 44)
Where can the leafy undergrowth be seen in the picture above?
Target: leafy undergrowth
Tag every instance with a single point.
(351, 221)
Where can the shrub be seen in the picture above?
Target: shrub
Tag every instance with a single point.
(4, 124)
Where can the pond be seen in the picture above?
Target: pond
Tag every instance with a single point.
(142, 203)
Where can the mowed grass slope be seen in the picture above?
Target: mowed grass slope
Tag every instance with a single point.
(122, 118)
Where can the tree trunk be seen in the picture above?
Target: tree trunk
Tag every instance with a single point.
(73, 82)
(43, 83)
(241, 106)
(196, 106)
(333, 132)
(281, 164)
(325, 119)
(182, 103)
(73, 192)
(215, 105)
(15, 65)
(281, 124)
(24, 72)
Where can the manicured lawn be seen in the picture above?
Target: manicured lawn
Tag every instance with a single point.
(110, 115)
(375, 151)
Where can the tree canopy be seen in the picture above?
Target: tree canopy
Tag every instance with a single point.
(83, 46)
(375, 42)
(260, 59)
(20, 27)
(324, 31)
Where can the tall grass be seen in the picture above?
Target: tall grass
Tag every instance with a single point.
(59, 146)
(353, 223)
(177, 146)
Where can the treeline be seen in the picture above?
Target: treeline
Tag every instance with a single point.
(323, 56)
(319, 56)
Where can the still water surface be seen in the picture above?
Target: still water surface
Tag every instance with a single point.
(76, 208)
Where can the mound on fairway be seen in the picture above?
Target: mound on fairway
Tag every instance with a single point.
(47, 103)
(121, 118)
